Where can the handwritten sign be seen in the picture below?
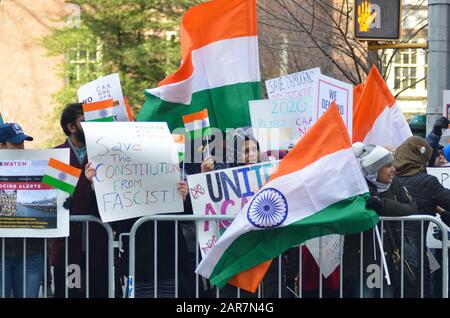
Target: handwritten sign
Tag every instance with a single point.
(301, 84)
(330, 250)
(329, 90)
(322, 90)
(107, 87)
(277, 123)
(29, 208)
(224, 192)
(443, 175)
(137, 169)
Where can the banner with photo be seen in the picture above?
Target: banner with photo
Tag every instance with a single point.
(29, 208)
(137, 169)
(224, 192)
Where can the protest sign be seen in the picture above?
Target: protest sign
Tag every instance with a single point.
(137, 169)
(329, 90)
(443, 175)
(322, 90)
(29, 208)
(277, 123)
(301, 84)
(329, 257)
(107, 87)
(224, 192)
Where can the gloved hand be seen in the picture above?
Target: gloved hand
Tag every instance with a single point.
(440, 123)
(68, 203)
(374, 203)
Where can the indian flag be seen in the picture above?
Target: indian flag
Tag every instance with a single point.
(61, 176)
(318, 190)
(219, 70)
(179, 141)
(377, 118)
(99, 111)
(196, 124)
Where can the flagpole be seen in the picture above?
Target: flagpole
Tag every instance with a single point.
(388, 279)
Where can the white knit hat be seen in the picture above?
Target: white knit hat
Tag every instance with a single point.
(372, 157)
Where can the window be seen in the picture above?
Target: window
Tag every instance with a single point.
(405, 69)
(81, 63)
(405, 77)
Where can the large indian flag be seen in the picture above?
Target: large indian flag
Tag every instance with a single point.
(377, 118)
(318, 190)
(219, 71)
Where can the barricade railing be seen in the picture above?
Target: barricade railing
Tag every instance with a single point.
(86, 220)
(297, 293)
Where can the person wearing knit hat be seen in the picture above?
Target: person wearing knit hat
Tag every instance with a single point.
(388, 198)
(376, 162)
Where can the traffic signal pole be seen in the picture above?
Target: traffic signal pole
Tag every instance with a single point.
(438, 57)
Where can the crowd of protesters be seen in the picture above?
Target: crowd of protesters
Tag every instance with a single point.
(399, 186)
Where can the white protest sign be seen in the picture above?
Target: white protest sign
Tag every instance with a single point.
(322, 89)
(301, 84)
(137, 169)
(329, 90)
(107, 87)
(224, 192)
(29, 208)
(446, 103)
(277, 123)
(443, 175)
(331, 252)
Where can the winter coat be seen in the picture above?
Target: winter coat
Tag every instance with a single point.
(83, 203)
(396, 202)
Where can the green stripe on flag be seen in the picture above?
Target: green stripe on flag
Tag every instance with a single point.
(1, 120)
(103, 119)
(255, 247)
(58, 184)
(227, 106)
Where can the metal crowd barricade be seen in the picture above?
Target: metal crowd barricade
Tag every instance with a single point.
(301, 275)
(86, 219)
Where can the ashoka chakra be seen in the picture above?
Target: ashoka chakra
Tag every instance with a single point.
(268, 209)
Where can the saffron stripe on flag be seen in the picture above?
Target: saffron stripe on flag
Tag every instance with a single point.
(199, 116)
(89, 107)
(58, 184)
(61, 166)
(226, 19)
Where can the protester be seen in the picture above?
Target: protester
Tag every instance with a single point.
(80, 203)
(388, 198)
(13, 137)
(433, 139)
(411, 168)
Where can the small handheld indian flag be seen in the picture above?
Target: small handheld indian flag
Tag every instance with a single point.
(196, 124)
(179, 141)
(61, 176)
(99, 111)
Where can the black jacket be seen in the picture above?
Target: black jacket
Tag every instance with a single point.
(396, 202)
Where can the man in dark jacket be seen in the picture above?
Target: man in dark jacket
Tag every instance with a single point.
(388, 198)
(79, 204)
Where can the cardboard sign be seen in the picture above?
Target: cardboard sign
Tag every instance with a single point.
(277, 123)
(224, 192)
(137, 169)
(104, 88)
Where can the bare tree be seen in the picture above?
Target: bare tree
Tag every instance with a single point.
(300, 34)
